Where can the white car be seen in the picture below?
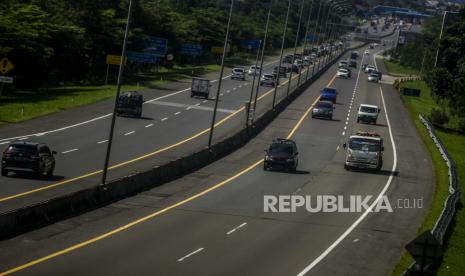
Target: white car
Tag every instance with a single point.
(343, 73)
(369, 68)
(373, 77)
(367, 52)
(254, 70)
(268, 79)
(238, 74)
(343, 64)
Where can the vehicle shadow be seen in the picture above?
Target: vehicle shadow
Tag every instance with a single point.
(381, 172)
(31, 176)
(290, 172)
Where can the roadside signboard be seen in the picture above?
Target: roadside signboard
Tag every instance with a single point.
(192, 49)
(252, 44)
(113, 60)
(311, 38)
(4, 79)
(6, 66)
(157, 46)
(141, 57)
(217, 50)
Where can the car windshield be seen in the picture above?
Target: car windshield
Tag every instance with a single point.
(368, 109)
(374, 75)
(28, 149)
(323, 105)
(364, 144)
(281, 148)
(238, 70)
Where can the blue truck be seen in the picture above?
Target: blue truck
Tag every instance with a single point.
(328, 94)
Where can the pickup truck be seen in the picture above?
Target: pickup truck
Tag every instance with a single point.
(328, 94)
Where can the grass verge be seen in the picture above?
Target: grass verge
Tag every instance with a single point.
(455, 254)
(397, 69)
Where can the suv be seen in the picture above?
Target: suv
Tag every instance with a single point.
(328, 94)
(281, 154)
(369, 68)
(238, 74)
(373, 77)
(368, 113)
(254, 70)
(364, 150)
(323, 109)
(28, 157)
(130, 104)
(343, 73)
(268, 79)
(353, 64)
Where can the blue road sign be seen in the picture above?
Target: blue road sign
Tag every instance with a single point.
(312, 37)
(141, 57)
(191, 49)
(157, 46)
(253, 44)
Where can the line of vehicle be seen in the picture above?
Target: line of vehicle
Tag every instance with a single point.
(159, 212)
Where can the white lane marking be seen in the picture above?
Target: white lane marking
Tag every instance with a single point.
(189, 108)
(236, 228)
(221, 94)
(190, 254)
(103, 141)
(164, 119)
(205, 101)
(367, 211)
(234, 88)
(227, 91)
(68, 151)
(24, 138)
(337, 148)
(197, 104)
(345, 128)
(129, 133)
(177, 113)
(343, 133)
(149, 125)
(6, 142)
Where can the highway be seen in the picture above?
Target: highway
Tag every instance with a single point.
(173, 125)
(212, 222)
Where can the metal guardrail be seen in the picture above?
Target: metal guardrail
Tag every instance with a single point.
(443, 224)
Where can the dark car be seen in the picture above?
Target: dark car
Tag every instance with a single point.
(323, 109)
(282, 154)
(353, 64)
(130, 104)
(377, 73)
(282, 71)
(28, 157)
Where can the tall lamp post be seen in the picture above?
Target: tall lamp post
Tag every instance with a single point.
(118, 91)
(295, 46)
(225, 46)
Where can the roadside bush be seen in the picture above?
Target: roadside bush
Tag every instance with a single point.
(438, 117)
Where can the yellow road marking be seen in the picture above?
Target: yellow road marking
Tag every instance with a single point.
(164, 210)
(74, 179)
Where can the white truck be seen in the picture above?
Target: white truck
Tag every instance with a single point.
(200, 88)
(368, 113)
(364, 150)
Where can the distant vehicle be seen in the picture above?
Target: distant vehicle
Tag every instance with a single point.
(238, 74)
(367, 52)
(306, 62)
(323, 109)
(282, 71)
(282, 154)
(373, 77)
(200, 88)
(288, 59)
(254, 70)
(364, 66)
(328, 94)
(368, 113)
(130, 104)
(369, 68)
(299, 63)
(268, 79)
(380, 75)
(343, 73)
(372, 46)
(28, 157)
(353, 64)
(354, 55)
(364, 150)
(343, 64)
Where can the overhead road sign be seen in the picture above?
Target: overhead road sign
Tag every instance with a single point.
(4, 79)
(157, 46)
(253, 44)
(192, 49)
(6, 66)
(141, 57)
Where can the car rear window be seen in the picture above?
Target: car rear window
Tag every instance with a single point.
(29, 149)
(281, 148)
(368, 109)
(323, 105)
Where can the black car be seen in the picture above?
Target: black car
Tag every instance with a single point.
(130, 104)
(282, 71)
(377, 73)
(353, 64)
(28, 157)
(281, 154)
(323, 109)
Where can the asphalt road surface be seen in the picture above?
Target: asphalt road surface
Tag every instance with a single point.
(212, 222)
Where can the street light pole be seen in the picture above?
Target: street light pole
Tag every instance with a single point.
(225, 46)
(253, 82)
(295, 47)
(440, 38)
(315, 35)
(118, 91)
(282, 51)
(306, 37)
(261, 59)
